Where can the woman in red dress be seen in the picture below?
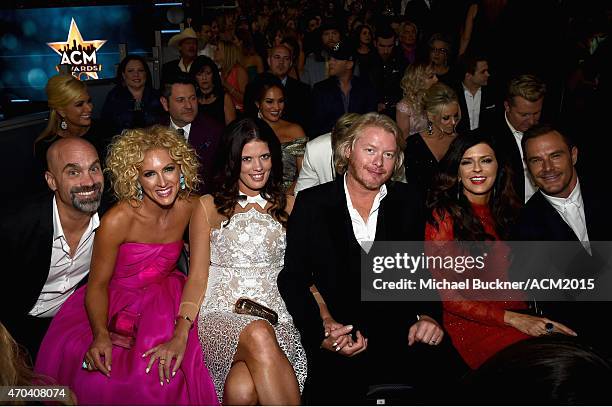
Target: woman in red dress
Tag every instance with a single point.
(472, 200)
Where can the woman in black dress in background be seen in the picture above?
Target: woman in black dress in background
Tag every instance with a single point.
(212, 99)
(424, 150)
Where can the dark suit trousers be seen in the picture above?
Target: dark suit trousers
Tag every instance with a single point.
(339, 380)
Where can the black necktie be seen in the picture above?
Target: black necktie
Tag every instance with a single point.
(181, 132)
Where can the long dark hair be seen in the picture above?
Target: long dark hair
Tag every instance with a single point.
(258, 90)
(442, 198)
(198, 65)
(235, 137)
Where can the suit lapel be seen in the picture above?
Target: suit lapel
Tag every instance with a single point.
(594, 213)
(42, 244)
(381, 224)
(340, 219)
(554, 223)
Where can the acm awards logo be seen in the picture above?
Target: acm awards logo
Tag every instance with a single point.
(79, 54)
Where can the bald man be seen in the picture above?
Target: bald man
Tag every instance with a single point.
(47, 244)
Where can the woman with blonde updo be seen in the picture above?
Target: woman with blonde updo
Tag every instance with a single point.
(409, 113)
(425, 150)
(129, 315)
(70, 111)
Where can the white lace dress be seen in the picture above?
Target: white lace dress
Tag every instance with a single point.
(246, 255)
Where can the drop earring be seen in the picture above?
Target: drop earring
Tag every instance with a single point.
(139, 194)
(458, 189)
(259, 115)
(182, 181)
(429, 127)
(63, 125)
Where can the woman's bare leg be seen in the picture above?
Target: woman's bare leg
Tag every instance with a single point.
(239, 387)
(270, 370)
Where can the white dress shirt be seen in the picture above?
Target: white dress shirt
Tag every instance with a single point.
(365, 231)
(530, 188)
(473, 106)
(571, 210)
(182, 66)
(65, 272)
(185, 129)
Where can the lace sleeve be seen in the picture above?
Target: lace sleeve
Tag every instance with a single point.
(441, 243)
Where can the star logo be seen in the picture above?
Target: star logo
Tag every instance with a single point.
(79, 53)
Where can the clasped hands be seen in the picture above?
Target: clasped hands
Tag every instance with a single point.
(99, 356)
(338, 337)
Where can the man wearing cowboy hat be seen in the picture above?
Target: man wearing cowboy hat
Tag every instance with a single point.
(187, 43)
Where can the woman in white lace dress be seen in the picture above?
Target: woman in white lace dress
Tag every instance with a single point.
(409, 113)
(237, 250)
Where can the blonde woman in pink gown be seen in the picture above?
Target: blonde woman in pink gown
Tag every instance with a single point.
(120, 339)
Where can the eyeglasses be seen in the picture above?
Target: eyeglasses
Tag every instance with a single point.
(439, 50)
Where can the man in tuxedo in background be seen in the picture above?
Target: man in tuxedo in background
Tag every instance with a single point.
(330, 227)
(298, 104)
(47, 244)
(178, 97)
(522, 109)
(476, 100)
(566, 209)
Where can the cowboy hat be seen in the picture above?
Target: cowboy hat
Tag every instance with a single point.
(187, 33)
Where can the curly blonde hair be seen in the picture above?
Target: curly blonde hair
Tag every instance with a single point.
(351, 135)
(413, 84)
(126, 154)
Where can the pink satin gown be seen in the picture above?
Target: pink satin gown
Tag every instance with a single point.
(147, 283)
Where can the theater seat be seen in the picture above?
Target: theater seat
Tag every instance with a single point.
(391, 394)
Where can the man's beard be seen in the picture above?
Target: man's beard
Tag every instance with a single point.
(371, 185)
(87, 205)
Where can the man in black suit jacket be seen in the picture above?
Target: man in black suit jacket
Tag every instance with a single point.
(522, 109)
(47, 244)
(566, 209)
(298, 99)
(342, 92)
(201, 132)
(330, 226)
(187, 43)
(474, 88)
